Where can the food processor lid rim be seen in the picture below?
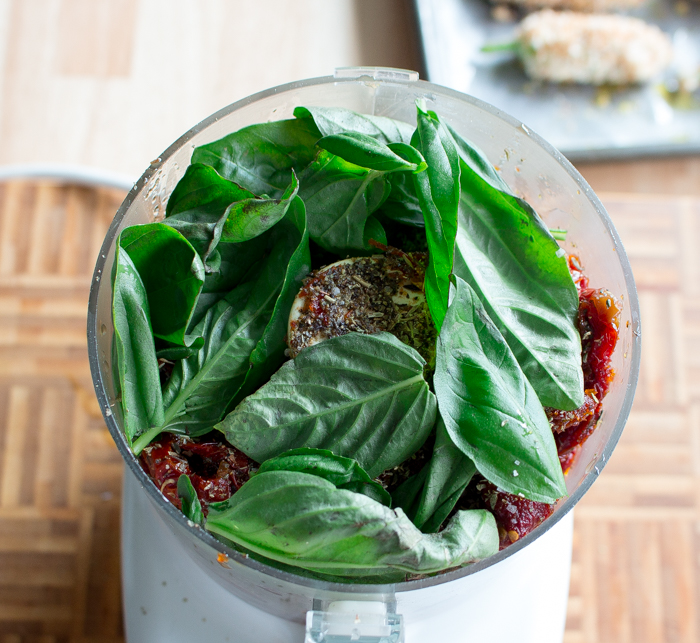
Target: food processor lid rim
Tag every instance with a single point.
(157, 497)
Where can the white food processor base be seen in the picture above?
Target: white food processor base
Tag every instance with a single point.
(168, 598)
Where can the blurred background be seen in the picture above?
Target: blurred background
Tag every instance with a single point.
(108, 85)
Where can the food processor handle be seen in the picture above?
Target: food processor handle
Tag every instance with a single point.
(354, 622)
(377, 73)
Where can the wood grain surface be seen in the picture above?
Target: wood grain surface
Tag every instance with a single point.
(60, 474)
(111, 83)
(637, 532)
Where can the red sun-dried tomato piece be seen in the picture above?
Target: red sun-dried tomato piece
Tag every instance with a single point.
(515, 516)
(215, 468)
(164, 464)
(599, 323)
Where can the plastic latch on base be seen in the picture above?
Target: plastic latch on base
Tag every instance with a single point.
(354, 621)
(377, 73)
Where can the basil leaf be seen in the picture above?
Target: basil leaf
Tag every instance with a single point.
(407, 495)
(338, 120)
(172, 274)
(477, 162)
(203, 231)
(339, 197)
(344, 473)
(239, 263)
(207, 209)
(402, 205)
(197, 209)
(203, 188)
(248, 219)
(201, 387)
(360, 396)
(449, 473)
(429, 496)
(367, 152)
(374, 230)
(438, 192)
(269, 351)
(261, 157)
(490, 409)
(138, 377)
(305, 521)
(191, 506)
(173, 353)
(508, 256)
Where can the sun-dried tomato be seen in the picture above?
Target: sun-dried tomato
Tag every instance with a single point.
(515, 516)
(599, 324)
(215, 468)
(577, 275)
(567, 458)
(560, 421)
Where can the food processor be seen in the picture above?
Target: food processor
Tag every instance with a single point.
(181, 584)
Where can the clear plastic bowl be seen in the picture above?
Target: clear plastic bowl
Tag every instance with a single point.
(530, 166)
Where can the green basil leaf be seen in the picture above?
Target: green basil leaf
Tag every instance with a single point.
(138, 376)
(248, 219)
(239, 263)
(407, 495)
(344, 473)
(339, 197)
(197, 209)
(305, 521)
(367, 152)
(338, 120)
(360, 396)
(508, 256)
(203, 231)
(201, 387)
(429, 496)
(448, 474)
(172, 274)
(438, 192)
(410, 155)
(173, 353)
(191, 506)
(477, 162)
(261, 157)
(269, 351)
(207, 209)
(203, 188)
(403, 205)
(374, 230)
(490, 409)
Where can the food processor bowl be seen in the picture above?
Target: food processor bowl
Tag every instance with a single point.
(532, 168)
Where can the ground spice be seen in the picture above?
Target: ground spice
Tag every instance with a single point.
(365, 295)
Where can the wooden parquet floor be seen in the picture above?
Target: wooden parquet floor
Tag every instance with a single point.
(60, 474)
(636, 569)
